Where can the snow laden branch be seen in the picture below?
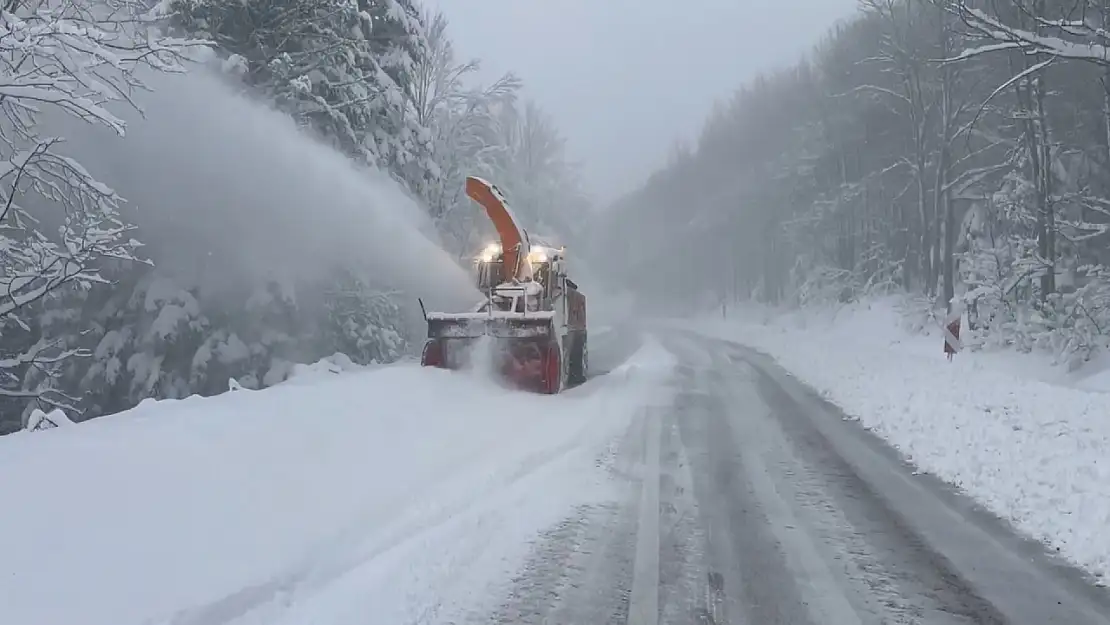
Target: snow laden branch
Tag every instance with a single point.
(43, 357)
(58, 223)
(1077, 40)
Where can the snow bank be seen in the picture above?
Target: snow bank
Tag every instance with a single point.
(1002, 427)
(395, 494)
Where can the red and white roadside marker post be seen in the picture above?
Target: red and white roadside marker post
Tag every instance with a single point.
(951, 331)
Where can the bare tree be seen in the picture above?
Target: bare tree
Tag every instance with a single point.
(462, 119)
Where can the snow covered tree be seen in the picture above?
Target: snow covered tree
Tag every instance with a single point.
(269, 328)
(365, 323)
(955, 149)
(485, 131)
(140, 335)
(535, 172)
(465, 130)
(341, 68)
(59, 224)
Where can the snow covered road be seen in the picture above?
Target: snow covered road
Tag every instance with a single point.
(1027, 440)
(402, 495)
(748, 500)
(692, 481)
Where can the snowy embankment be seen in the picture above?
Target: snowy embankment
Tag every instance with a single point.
(395, 495)
(1026, 441)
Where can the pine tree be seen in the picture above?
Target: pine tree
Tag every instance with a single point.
(339, 67)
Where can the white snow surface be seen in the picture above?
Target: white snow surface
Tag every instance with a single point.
(390, 495)
(1025, 440)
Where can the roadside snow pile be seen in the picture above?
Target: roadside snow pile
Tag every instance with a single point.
(1032, 452)
(325, 367)
(397, 494)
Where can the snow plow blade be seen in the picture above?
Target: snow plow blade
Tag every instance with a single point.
(482, 324)
(526, 350)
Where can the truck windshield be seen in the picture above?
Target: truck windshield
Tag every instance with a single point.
(490, 274)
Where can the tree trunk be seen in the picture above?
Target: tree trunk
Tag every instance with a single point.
(942, 194)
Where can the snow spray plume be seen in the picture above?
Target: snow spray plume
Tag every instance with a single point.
(483, 355)
(226, 190)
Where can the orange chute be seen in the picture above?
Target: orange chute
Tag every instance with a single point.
(512, 236)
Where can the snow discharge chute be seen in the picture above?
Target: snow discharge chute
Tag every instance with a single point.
(514, 239)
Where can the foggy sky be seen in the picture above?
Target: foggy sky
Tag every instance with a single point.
(625, 78)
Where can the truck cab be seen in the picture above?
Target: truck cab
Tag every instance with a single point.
(543, 279)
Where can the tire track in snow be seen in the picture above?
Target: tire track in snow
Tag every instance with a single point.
(580, 569)
(644, 601)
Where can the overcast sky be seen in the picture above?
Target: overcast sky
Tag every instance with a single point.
(625, 79)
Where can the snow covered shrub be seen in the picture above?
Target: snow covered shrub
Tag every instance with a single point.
(1005, 308)
(920, 313)
(824, 285)
(365, 322)
(1075, 324)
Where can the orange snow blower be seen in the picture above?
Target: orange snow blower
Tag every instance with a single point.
(533, 315)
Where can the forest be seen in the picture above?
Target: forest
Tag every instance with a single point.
(94, 316)
(955, 153)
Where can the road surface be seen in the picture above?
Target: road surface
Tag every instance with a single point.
(751, 501)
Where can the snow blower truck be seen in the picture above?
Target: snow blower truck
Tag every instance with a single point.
(533, 314)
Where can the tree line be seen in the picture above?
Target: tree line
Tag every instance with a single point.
(954, 150)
